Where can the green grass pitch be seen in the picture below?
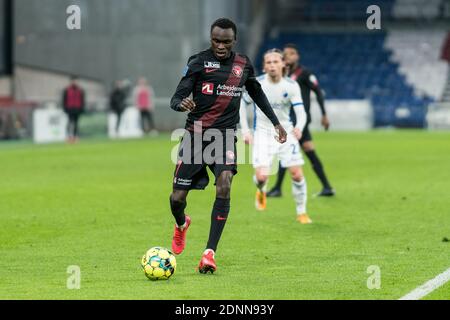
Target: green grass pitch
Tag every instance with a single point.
(101, 204)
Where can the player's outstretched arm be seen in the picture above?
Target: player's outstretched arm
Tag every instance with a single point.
(180, 100)
(299, 110)
(300, 115)
(246, 134)
(325, 122)
(313, 83)
(187, 104)
(281, 136)
(320, 99)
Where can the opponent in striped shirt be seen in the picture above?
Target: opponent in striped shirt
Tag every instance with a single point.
(282, 93)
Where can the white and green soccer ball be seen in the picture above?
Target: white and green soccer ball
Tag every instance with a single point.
(159, 263)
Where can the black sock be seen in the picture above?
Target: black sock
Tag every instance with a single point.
(219, 217)
(118, 122)
(177, 208)
(71, 127)
(75, 128)
(318, 168)
(280, 177)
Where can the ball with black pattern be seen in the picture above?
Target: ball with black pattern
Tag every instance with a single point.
(159, 263)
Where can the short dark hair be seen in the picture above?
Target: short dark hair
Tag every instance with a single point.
(224, 23)
(291, 46)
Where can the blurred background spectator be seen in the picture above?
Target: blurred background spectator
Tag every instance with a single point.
(144, 101)
(117, 101)
(73, 103)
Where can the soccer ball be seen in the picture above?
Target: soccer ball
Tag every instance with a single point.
(159, 263)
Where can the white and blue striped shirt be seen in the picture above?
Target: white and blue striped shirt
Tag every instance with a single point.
(282, 96)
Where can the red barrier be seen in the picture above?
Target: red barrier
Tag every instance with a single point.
(446, 49)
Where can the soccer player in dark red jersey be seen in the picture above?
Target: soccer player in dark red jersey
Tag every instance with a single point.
(215, 78)
(308, 82)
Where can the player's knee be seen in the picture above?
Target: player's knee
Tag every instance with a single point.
(223, 185)
(297, 175)
(308, 146)
(261, 177)
(178, 197)
(223, 190)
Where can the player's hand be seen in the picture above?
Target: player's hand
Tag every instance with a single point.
(187, 104)
(281, 136)
(325, 122)
(248, 138)
(297, 133)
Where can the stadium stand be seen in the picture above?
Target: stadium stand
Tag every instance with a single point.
(418, 54)
(413, 9)
(351, 10)
(330, 10)
(389, 69)
(372, 66)
(446, 49)
(446, 56)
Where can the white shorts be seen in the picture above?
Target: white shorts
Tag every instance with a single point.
(265, 147)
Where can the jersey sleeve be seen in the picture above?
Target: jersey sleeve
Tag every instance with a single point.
(296, 96)
(297, 104)
(187, 82)
(313, 84)
(247, 98)
(245, 102)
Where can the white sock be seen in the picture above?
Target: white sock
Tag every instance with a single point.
(209, 250)
(261, 186)
(299, 193)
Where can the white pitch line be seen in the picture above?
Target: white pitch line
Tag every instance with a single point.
(428, 287)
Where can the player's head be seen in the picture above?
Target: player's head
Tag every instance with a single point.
(291, 54)
(118, 84)
(142, 81)
(223, 37)
(274, 63)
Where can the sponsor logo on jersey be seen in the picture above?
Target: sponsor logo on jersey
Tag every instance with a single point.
(212, 65)
(207, 88)
(182, 182)
(237, 70)
(225, 90)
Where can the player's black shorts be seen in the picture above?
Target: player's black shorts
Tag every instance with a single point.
(306, 135)
(198, 151)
